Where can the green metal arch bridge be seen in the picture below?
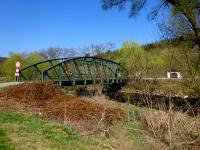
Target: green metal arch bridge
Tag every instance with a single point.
(75, 71)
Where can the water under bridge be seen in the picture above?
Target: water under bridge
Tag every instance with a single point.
(75, 71)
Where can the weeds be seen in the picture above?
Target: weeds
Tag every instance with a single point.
(184, 130)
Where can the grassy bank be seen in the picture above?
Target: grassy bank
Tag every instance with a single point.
(28, 132)
(41, 116)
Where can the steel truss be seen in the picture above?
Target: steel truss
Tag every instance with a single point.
(76, 71)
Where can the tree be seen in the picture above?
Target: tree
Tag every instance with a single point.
(50, 53)
(68, 52)
(95, 50)
(2, 60)
(132, 56)
(110, 46)
(188, 12)
(56, 52)
(9, 66)
(34, 58)
(25, 60)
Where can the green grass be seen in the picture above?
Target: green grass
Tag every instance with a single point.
(5, 141)
(133, 132)
(22, 132)
(133, 127)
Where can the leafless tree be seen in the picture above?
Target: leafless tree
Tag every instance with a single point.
(185, 11)
(50, 53)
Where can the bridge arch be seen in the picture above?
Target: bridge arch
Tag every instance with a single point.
(81, 71)
(34, 72)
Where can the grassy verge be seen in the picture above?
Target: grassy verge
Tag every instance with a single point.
(28, 132)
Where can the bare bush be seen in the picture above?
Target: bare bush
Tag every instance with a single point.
(184, 130)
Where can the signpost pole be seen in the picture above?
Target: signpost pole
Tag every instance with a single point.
(18, 64)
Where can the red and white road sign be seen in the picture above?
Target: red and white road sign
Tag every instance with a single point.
(17, 70)
(17, 64)
(17, 74)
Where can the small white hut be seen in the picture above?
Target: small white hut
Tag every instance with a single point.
(174, 74)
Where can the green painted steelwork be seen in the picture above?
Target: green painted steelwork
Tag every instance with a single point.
(27, 73)
(76, 71)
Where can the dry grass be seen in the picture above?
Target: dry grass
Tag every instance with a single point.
(50, 102)
(36, 91)
(177, 130)
(95, 116)
(157, 86)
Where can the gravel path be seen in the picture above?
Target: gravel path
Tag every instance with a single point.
(2, 85)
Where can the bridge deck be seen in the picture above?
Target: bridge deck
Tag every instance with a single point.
(87, 82)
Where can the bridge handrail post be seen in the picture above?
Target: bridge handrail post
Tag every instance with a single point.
(114, 71)
(94, 69)
(102, 72)
(73, 75)
(117, 80)
(34, 73)
(60, 76)
(43, 76)
(107, 75)
(86, 72)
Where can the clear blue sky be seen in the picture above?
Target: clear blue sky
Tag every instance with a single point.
(29, 25)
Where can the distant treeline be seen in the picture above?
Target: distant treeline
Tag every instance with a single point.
(3, 59)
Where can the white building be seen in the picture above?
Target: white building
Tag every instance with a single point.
(173, 74)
